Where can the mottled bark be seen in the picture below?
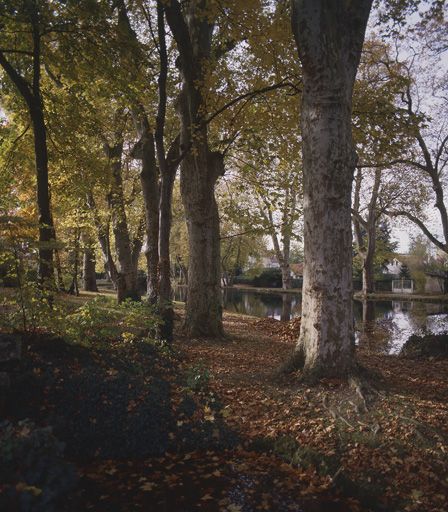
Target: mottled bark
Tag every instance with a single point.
(200, 168)
(204, 308)
(329, 37)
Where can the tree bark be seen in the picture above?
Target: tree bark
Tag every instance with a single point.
(74, 287)
(367, 246)
(200, 169)
(168, 175)
(286, 307)
(104, 240)
(31, 93)
(46, 274)
(88, 265)
(149, 178)
(329, 37)
(282, 254)
(127, 285)
(204, 308)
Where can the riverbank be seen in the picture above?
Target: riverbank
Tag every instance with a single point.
(254, 289)
(421, 297)
(407, 297)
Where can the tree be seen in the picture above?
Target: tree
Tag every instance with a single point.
(192, 28)
(404, 272)
(380, 133)
(423, 103)
(241, 239)
(329, 38)
(29, 87)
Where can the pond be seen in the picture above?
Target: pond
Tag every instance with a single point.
(381, 326)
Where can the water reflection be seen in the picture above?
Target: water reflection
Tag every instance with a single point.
(381, 326)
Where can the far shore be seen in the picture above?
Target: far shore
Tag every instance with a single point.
(422, 297)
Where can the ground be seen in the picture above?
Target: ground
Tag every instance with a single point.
(212, 425)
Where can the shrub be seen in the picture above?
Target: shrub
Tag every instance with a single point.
(269, 278)
(33, 472)
(30, 309)
(102, 320)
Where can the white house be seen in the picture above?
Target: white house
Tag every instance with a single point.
(394, 267)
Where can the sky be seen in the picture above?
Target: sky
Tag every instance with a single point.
(403, 231)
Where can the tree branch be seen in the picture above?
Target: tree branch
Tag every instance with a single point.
(421, 225)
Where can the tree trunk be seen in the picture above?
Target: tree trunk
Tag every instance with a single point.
(60, 279)
(286, 276)
(149, 178)
(45, 271)
(281, 254)
(88, 265)
(368, 273)
(286, 307)
(31, 93)
(200, 169)
(329, 38)
(127, 284)
(74, 288)
(165, 290)
(204, 308)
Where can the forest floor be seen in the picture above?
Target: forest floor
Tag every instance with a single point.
(211, 425)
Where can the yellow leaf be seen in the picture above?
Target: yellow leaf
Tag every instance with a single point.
(148, 486)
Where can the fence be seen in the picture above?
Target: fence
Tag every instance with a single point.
(402, 286)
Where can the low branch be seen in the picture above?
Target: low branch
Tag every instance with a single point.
(251, 94)
(421, 225)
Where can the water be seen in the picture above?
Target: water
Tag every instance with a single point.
(381, 326)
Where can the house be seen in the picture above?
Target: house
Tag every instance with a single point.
(394, 267)
(269, 262)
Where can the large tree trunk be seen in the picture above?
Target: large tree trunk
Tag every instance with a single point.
(204, 308)
(329, 38)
